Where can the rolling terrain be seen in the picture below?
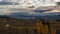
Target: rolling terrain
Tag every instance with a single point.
(26, 26)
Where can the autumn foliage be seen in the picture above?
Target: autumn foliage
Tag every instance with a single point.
(41, 28)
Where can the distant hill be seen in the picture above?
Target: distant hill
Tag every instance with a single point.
(3, 16)
(34, 16)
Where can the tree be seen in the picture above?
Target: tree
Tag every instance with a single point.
(41, 28)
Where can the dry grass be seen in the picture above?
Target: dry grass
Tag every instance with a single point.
(20, 26)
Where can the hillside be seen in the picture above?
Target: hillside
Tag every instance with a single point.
(18, 26)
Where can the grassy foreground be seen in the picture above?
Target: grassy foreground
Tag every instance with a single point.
(29, 26)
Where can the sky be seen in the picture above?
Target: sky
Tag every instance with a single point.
(25, 4)
(0, 0)
(28, 0)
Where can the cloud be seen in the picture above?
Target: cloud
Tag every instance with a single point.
(0, 0)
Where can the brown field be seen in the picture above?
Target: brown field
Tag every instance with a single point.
(31, 26)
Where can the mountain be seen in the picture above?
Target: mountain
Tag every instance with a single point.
(4, 16)
(34, 16)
